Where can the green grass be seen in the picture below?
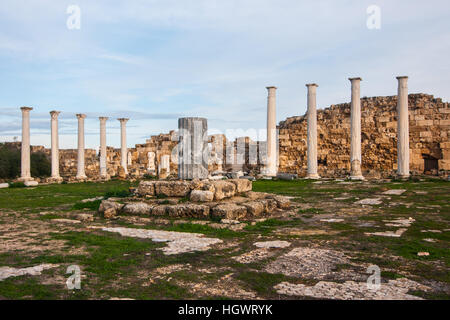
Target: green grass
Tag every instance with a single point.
(55, 195)
(92, 205)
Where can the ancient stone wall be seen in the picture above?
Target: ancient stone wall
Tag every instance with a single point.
(429, 121)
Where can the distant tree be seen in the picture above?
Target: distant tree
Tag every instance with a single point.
(10, 163)
(40, 165)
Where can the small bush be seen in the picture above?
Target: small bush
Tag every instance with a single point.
(150, 177)
(118, 193)
(92, 205)
(17, 185)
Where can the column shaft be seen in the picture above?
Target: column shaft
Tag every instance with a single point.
(123, 144)
(55, 145)
(312, 133)
(403, 128)
(25, 152)
(355, 135)
(271, 168)
(193, 152)
(80, 162)
(103, 167)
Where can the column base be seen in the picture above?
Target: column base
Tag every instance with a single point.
(269, 173)
(312, 176)
(81, 178)
(24, 179)
(360, 178)
(403, 176)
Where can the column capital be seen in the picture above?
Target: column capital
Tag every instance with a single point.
(271, 87)
(80, 115)
(26, 109)
(402, 77)
(55, 114)
(103, 118)
(123, 120)
(355, 79)
(312, 85)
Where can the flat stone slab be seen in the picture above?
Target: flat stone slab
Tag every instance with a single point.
(393, 234)
(66, 221)
(351, 290)
(31, 183)
(399, 222)
(332, 220)
(254, 256)
(7, 272)
(373, 201)
(307, 263)
(4, 185)
(395, 192)
(177, 242)
(272, 244)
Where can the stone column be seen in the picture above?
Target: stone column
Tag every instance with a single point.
(271, 167)
(312, 132)
(103, 168)
(193, 148)
(403, 128)
(80, 162)
(55, 146)
(355, 135)
(164, 166)
(123, 144)
(25, 154)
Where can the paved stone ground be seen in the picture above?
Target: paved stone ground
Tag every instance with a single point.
(350, 290)
(321, 248)
(177, 242)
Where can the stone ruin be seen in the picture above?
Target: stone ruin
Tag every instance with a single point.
(193, 195)
(231, 199)
(368, 137)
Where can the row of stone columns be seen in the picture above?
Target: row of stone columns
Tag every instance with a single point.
(355, 131)
(81, 175)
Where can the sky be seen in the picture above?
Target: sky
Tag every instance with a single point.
(154, 61)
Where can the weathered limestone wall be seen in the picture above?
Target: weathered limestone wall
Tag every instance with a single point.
(429, 126)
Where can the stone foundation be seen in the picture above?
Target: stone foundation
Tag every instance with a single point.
(226, 199)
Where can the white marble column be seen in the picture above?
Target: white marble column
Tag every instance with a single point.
(103, 169)
(80, 162)
(355, 131)
(25, 154)
(312, 132)
(271, 167)
(55, 146)
(123, 144)
(403, 128)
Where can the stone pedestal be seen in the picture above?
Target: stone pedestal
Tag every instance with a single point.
(25, 153)
(271, 166)
(123, 144)
(103, 167)
(193, 148)
(81, 175)
(403, 128)
(355, 131)
(312, 133)
(55, 177)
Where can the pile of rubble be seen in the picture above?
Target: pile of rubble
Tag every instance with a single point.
(223, 199)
